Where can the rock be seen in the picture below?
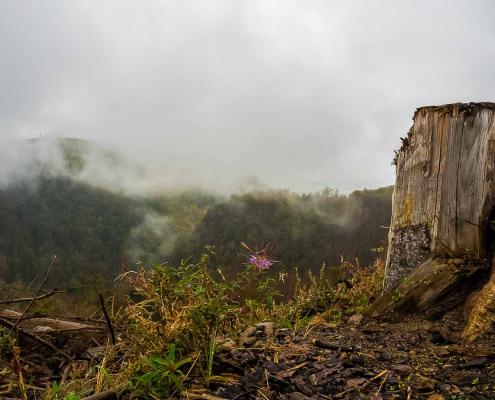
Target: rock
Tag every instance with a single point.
(242, 357)
(355, 320)
(444, 387)
(268, 329)
(97, 352)
(225, 345)
(248, 337)
(401, 369)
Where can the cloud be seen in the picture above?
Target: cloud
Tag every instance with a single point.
(213, 92)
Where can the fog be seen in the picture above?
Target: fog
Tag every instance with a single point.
(228, 94)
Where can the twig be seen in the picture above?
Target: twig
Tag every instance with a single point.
(354, 388)
(260, 392)
(109, 323)
(298, 366)
(331, 346)
(243, 394)
(36, 338)
(24, 299)
(409, 392)
(366, 384)
(35, 295)
(380, 388)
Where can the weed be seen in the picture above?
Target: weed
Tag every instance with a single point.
(164, 378)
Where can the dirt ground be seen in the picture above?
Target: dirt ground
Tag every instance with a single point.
(395, 357)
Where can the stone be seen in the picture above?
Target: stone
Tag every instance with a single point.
(401, 369)
(313, 379)
(268, 329)
(356, 319)
(225, 345)
(248, 337)
(444, 387)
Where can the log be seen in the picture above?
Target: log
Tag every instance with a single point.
(55, 324)
(443, 213)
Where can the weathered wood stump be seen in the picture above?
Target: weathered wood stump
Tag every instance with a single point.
(441, 234)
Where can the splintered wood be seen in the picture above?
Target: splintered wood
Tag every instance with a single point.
(442, 208)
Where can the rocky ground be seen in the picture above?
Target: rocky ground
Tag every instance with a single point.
(390, 358)
(393, 357)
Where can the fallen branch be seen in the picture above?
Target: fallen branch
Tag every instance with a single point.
(36, 298)
(35, 294)
(107, 318)
(331, 346)
(34, 337)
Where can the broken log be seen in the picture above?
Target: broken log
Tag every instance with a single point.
(442, 234)
(55, 324)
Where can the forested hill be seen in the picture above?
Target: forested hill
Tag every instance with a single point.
(310, 229)
(88, 227)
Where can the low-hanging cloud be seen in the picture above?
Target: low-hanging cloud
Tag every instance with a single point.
(298, 94)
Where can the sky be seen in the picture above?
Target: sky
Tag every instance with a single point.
(287, 94)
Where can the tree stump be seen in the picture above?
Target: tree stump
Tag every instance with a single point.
(442, 229)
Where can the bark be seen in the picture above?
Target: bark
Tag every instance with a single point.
(441, 237)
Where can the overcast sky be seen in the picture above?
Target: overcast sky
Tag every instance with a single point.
(300, 94)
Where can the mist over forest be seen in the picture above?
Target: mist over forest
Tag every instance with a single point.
(90, 205)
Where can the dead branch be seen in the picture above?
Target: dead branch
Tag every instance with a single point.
(109, 323)
(25, 299)
(331, 346)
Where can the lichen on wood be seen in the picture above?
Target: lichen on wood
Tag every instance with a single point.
(409, 247)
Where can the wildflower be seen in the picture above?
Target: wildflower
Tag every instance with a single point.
(260, 262)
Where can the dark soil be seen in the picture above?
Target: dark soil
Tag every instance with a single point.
(395, 357)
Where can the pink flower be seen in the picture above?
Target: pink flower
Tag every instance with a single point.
(260, 262)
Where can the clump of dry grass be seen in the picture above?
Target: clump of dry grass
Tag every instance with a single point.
(167, 333)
